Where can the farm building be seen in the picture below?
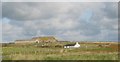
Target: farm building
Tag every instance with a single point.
(77, 45)
(37, 40)
(45, 39)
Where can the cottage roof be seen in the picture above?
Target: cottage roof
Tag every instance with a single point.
(69, 45)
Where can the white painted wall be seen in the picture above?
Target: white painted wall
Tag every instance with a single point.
(77, 45)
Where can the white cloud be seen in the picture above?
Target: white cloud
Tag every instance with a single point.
(70, 21)
(63, 24)
(11, 32)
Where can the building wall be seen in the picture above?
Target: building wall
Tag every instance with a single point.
(49, 40)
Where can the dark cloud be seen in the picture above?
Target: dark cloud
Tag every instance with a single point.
(27, 11)
(110, 11)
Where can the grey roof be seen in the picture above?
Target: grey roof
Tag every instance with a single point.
(69, 45)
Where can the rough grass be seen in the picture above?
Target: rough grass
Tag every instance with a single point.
(31, 52)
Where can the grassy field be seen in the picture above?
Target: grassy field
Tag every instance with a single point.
(87, 51)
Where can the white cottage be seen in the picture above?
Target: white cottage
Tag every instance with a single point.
(77, 45)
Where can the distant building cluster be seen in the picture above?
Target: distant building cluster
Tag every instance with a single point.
(47, 40)
(38, 40)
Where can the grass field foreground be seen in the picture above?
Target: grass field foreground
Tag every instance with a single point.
(87, 51)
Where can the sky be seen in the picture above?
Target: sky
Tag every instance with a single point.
(59, 0)
(74, 21)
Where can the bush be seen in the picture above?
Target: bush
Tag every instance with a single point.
(59, 46)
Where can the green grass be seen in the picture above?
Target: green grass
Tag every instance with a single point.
(30, 52)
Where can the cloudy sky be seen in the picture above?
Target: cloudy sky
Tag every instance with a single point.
(88, 21)
(60, 0)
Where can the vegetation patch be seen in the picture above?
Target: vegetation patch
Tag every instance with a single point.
(55, 51)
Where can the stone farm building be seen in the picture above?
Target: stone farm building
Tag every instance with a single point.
(38, 40)
(44, 39)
